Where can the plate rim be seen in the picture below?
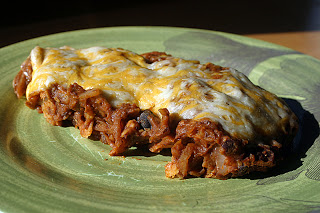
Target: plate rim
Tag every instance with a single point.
(132, 27)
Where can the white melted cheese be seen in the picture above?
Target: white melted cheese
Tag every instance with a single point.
(186, 88)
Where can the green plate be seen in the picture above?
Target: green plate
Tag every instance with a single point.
(52, 169)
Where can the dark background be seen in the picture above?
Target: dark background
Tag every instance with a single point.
(25, 20)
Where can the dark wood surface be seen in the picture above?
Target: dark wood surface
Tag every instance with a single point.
(24, 20)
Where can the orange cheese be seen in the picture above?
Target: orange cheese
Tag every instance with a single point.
(186, 88)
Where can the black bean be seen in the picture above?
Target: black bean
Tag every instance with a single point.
(143, 119)
(229, 146)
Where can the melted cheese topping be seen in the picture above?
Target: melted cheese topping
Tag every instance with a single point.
(186, 88)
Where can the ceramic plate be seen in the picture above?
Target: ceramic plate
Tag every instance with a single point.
(46, 168)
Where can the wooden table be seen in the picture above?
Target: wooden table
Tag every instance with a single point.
(305, 42)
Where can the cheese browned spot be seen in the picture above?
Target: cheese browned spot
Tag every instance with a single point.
(220, 100)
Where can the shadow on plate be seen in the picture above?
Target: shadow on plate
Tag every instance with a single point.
(308, 132)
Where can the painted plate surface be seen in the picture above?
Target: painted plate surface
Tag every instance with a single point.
(52, 169)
